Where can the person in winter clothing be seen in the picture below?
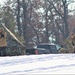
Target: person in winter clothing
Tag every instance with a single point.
(70, 42)
(73, 41)
(3, 43)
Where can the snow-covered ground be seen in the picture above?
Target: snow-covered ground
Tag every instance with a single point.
(38, 64)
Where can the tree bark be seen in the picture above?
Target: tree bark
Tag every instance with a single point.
(18, 17)
(66, 18)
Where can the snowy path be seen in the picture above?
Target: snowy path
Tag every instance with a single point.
(38, 64)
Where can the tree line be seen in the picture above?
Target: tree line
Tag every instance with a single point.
(38, 21)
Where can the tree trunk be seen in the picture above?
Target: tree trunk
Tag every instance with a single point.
(18, 17)
(66, 18)
(24, 26)
(46, 24)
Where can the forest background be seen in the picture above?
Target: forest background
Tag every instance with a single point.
(37, 21)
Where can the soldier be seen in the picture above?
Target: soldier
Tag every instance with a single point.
(73, 38)
(3, 43)
(70, 41)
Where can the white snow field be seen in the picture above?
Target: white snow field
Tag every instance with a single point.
(38, 64)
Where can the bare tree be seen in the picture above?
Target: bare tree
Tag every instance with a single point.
(18, 17)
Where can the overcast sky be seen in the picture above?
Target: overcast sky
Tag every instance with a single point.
(72, 6)
(2, 1)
